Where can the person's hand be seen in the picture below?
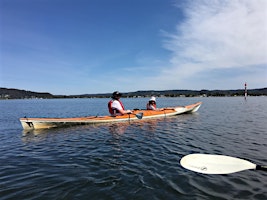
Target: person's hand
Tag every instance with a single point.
(129, 112)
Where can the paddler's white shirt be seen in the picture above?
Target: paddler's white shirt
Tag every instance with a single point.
(151, 107)
(116, 104)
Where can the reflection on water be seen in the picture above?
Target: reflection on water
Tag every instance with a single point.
(118, 128)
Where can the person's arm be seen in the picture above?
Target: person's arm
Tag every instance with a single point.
(151, 107)
(117, 105)
(125, 111)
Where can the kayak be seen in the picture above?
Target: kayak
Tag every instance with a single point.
(46, 123)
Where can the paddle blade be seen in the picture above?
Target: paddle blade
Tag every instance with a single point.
(139, 115)
(215, 164)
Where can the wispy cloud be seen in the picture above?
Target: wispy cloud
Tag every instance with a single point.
(217, 34)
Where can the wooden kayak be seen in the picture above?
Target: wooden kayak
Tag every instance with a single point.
(45, 123)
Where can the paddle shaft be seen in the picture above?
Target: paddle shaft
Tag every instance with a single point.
(261, 167)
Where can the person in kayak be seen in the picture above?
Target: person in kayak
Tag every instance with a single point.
(151, 105)
(115, 106)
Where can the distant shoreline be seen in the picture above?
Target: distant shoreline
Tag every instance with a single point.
(10, 93)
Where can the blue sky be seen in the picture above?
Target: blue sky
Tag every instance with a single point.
(99, 46)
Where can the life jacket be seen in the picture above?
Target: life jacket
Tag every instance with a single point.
(148, 106)
(111, 110)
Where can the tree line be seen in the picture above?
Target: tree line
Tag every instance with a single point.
(10, 93)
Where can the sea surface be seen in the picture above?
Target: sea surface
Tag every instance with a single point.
(136, 160)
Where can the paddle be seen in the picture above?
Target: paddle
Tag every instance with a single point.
(217, 164)
(139, 115)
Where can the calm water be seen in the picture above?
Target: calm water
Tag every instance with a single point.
(138, 160)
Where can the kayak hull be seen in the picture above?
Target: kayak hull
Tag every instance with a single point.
(46, 123)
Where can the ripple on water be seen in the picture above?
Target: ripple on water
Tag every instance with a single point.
(137, 160)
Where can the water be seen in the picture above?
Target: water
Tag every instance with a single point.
(138, 160)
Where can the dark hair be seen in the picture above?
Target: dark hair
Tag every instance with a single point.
(116, 94)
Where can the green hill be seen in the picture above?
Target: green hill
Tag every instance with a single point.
(6, 93)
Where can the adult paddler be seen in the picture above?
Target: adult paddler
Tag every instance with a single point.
(115, 106)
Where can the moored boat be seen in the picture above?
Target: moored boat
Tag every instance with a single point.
(45, 123)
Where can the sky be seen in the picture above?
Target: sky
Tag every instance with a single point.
(99, 46)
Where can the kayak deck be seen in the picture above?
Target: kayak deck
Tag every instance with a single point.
(45, 123)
